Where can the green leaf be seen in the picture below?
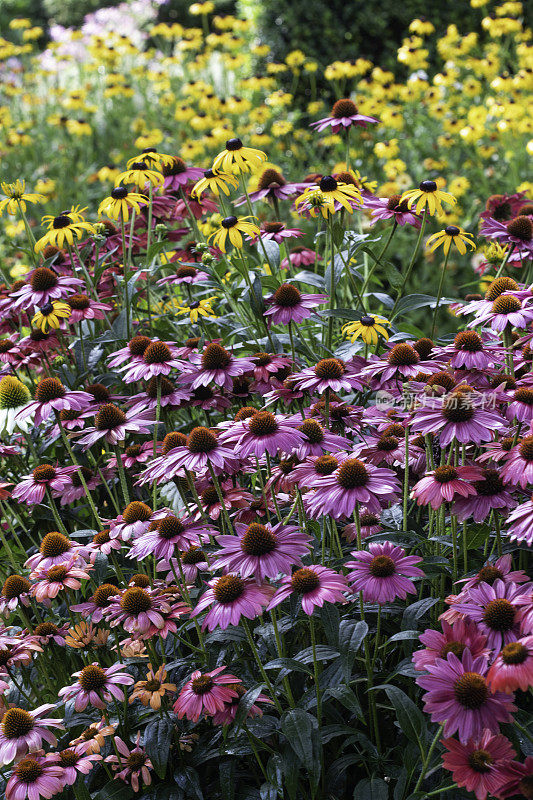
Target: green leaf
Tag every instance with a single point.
(351, 636)
(393, 276)
(246, 702)
(413, 301)
(410, 718)
(347, 698)
(299, 726)
(114, 791)
(272, 250)
(288, 664)
(226, 770)
(371, 789)
(157, 740)
(189, 780)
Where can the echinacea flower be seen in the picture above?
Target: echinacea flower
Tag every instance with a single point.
(344, 114)
(328, 374)
(383, 208)
(112, 424)
(215, 365)
(480, 766)
(23, 732)
(491, 493)
(496, 611)
(14, 591)
(353, 483)
(460, 415)
(229, 712)
(444, 483)
(84, 307)
(52, 397)
(131, 766)
(167, 534)
(34, 777)
(287, 304)
(236, 158)
(32, 488)
(369, 328)
(513, 667)
(455, 638)
(519, 523)
(450, 235)
(266, 432)
(76, 761)
(96, 686)
(383, 573)
(230, 597)
(315, 586)
(207, 693)
(158, 359)
(52, 580)
(428, 197)
(271, 186)
(151, 691)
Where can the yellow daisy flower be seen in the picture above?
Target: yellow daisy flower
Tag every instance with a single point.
(16, 197)
(150, 156)
(63, 229)
(198, 308)
(450, 235)
(50, 315)
(328, 193)
(215, 182)
(237, 158)
(140, 173)
(428, 196)
(120, 202)
(234, 227)
(368, 328)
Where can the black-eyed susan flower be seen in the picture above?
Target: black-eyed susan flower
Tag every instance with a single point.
(50, 315)
(369, 328)
(151, 157)
(428, 197)
(16, 197)
(63, 229)
(234, 228)
(214, 182)
(329, 197)
(198, 308)
(237, 158)
(120, 201)
(451, 235)
(140, 173)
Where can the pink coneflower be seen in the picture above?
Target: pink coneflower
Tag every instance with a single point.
(507, 310)
(520, 780)
(177, 174)
(383, 208)
(353, 483)
(133, 455)
(32, 488)
(139, 611)
(459, 415)
(369, 524)
(288, 304)
(132, 353)
(513, 667)
(132, 523)
(517, 233)
(499, 570)
(481, 767)
(520, 523)
(383, 573)
(83, 307)
(168, 534)
(15, 591)
(49, 582)
(455, 638)
(10, 353)
(386, 449)
(498, 450)
(267, 367)
(207, 693)
(316, 585)
(277, 232)
(232, 497)
(43, 286)
(23, 732)
(444, 483)
(328, 374)
(112, 424)
(265, 432)
(491, 493)
(94, 608)
(458, 695)
(272, 186)
(75, 490)
(470, 351)
(503, 207)
(521, 405)
(261, 551)
(313, 468)
(96, 686)
(51, 396)
(300, 257)
(318, 440)
(344, 114)
(132, 766)
(229, 598)
(34, 777)
(48, 632)
(519, 468)
(17, 651)
(186, 273)
(77, 761)
(215, 365)
(402, 362)
(159, 359)
(192, 562)
(496, 611)
(55, 549)
(202, 449)
(229, 712)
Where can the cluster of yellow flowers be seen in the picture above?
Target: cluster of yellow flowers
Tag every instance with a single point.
(92, 99)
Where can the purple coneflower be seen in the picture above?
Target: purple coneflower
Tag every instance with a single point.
(457, 694)
(206, 692)
(318, 440)
(287, 304)
(83, 307)
(177, 174)
(272, 186)
(229, 598)
(133, 522)
(55, 548)
(94, 608)
(15, 591)
(168, 533)
(480, 766)
(517, 233)
(455, 638)
(300, 257)
(23, 732)
(158, 359)
(188, 274)
(353, 483)
(36, 776)
(265, 432)
(444, 483)
(215, 365)
(49, 582)
(383, 208)
(328, 374)
(491, 493)
(75, 489)
(519, 523)
(469, 351)
(140, 611)
(383, 573)
(519, 468)
(32, 488)
(51, 396)
(229, 712)
(316, 585)
(506, 310)
(459, 415)
(132, 766)
(202, 449)
(43, 286)
(344, 114)
(96, 686)
(112, 424)
(277, 232)
(499, 570)
(261, 551)
(132, 353)
(513, 667)
(77, 761)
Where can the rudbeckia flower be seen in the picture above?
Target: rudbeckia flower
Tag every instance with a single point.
(428, 196)
(50, 315)
(150, 156)
(119, 203)
(451, 235)
(237, 158)
(198, 308)
(16, 197)
(140, 173)
(215, 182)
(333, 194)
(63, 229)
(368, 328)
(234, 227)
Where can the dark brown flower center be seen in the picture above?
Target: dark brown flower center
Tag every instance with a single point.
(245, 413)
(382, 567)
(92, 678)
(491, 485)
(166, 387)
(442, 379)
(514, 653)
(403, 355)
(140, 579)
(43, 279)
(172, 440)
(136, 512)
(263, 424)
(445, 474)
(57, 574)
(457, 648)
(330, 369)
(273, 227)
(43, 473)
(138, 345)
(202, 685)
(215, 357)
(344, 108)
(305, 580)
(470, 690)
(506, 304)
(46, 629)
(228, 588)
(499, 615)
(169, 527)
(157, 353)
(524, 396)
(313, 430)
(186, 272)
(135, 601)
(271, 179)
(201, 440)
(262, 359)
(100, 392)
(14, 586)
(387, 443)
(87, 475)
(102, 594)
(287, 296)
(17, 722)
(525, 448)
(480, 761)
(326, 465)
(468, 340)
(78, 302)
(193, 556)
(28, 770)
(500, 285)
(210, 496)
(175, 167)
(489, 574)
(49, 389)
(521, 228)
(102, 537)
(367, 520)
(258, 540)
(109, 417)
(68, 758)
(457, 407)
(54, 544)
(352, 474)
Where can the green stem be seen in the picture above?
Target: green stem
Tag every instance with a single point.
(439, 293)
(410, 267)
